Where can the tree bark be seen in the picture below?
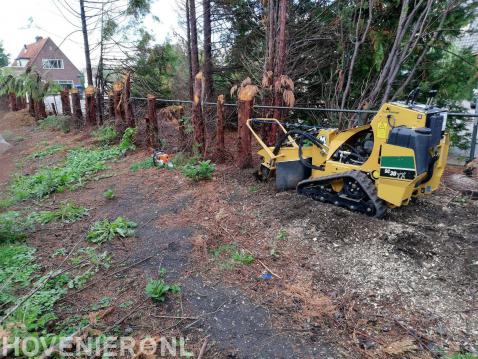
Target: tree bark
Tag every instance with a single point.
(99, 105)
(128, 107)
(194, 37)
(111, 105)
(190, 65)
(244, 112)
(18, 100)
(90, 106)
(76, 106)
(220, 150)
(152, 131)
(119, 108)
(40, 110)
(280, 67)
(12, 99)
(84, 29)
(207, 68)
(198, 121)
(31, 105)
(65, 102)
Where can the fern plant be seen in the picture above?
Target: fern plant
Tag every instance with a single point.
(200, 171)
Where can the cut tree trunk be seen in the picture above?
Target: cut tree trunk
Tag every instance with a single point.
(128, 107)
(31, 106)
(76, 105)
(18, 99)
(198, 121)
(111, 105)
(65, 102)
(40, 110)
(90, 106)
(120, 123)
(220, 150)
(152, 131)
(244, 112)
(12, 99)
(99, 105)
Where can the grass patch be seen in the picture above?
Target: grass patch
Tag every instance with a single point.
(56, 123)
(202, 170)
(109, 194)
(103, 231)
(67, 213)
(51, 150)
(79, 167)
(142, 165)
(243, 257)
(281, 235)
(106, 135)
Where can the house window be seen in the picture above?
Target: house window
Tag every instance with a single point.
(52, 64)
(22, 62)
(66, 84)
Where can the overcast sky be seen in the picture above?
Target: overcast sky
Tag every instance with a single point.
(16, 29)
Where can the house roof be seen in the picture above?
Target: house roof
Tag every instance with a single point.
(31, 51)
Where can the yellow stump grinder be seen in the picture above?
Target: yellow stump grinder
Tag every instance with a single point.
(401, 154)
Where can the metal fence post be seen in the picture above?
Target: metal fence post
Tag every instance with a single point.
(475, 131)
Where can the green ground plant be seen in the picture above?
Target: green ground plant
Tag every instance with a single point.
(79, 167)
(243, 257)
(105, 230)
(202, 170)
(67, 213)
(142, 165)
(12, 227)
(106, 135)
(109, 194)
(158, 289)
(56, 123)
(51, 150)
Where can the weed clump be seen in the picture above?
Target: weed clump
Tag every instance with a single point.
(67, 213)
(157, 289)
(109, 194)
(105, 135)
(103, 231)
(203, 170)
(12, 227)
(56, 123)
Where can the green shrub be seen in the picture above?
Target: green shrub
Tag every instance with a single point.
(109, 193)
(105, 230)
(200, 171)
(127, 141)
(68, 213)
(57, 123)
(157, 289)
(105, 135)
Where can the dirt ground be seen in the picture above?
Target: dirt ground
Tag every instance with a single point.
(343, 285)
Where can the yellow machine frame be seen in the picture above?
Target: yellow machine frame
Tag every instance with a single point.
(391, 184)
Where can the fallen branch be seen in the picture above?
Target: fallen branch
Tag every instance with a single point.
(203, 348)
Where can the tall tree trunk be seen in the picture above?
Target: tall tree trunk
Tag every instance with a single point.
(194, 37)
(190, 65)
(198, 121)
(89, 72)
(280, 66)
(271, 31)
(207, 68)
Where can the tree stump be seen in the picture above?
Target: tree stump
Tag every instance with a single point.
(128, 107)
(12, 99)
(198, 121)
(76, 104)
(152, 131)
(90, 106)
(220, 151)
(31, 105)
(65, 102)
(120, 124)
(111, 105)
(244, 112)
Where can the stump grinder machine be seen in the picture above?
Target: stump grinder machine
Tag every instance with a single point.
(400, 155)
